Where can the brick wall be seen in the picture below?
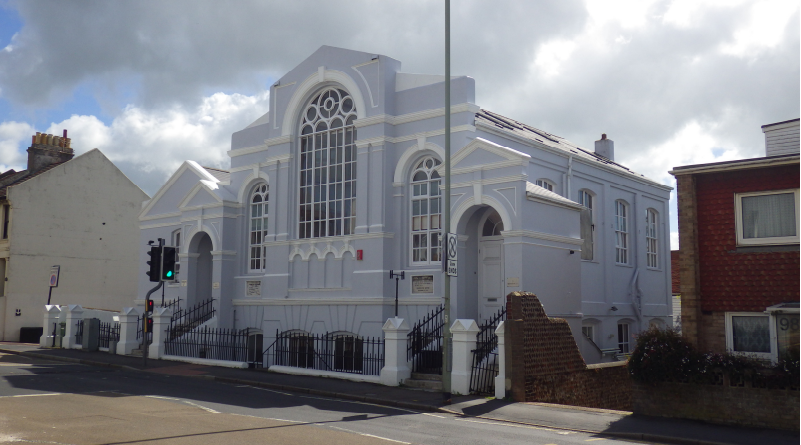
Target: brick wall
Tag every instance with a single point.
(546, 365)
(713, 332)
(675, 276)
(724, 404)
(741, 281)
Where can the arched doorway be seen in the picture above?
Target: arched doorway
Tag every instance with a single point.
(200, 269)
(490, 264)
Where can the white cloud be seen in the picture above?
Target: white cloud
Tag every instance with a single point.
(12, 135)
(551, 55)
(764, 29)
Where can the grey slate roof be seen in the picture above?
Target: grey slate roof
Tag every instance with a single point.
(221, 175)
(543, 137)
(11, 177)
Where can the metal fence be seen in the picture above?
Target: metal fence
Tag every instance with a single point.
(108, 332)
(185, 320)
(327, 352)
(79, 332)
(424, 345)
(485, 356)
(210, 343)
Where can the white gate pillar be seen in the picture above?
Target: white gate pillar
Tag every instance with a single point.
(500, 379)
(51, 314)
(464, 342)
(395, 369)
(161, 322)
(74, 313)
(129, 323)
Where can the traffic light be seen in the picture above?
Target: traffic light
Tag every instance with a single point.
(168, 264)
(155, 264)
(149, 306)
(149, 321)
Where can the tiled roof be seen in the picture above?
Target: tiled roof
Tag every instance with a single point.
(541, 192)
(221, 175)
(8, 179)
(543, 137)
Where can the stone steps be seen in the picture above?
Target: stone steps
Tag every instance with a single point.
(427, 382)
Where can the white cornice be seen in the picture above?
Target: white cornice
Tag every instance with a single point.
(267, 162)
(416, 116)
(330, 239)
(735, 165)
(257, 148)
(337, 301)
(553, 202)
(542, 236)
(411, 137)
(160, 216)
(491, 181)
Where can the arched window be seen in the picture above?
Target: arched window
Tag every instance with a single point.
(493, 225)
(259, 201)
(426, 212)
(621, 233)
(546, 184)
(585, 198)
(328, 166)
(651, 239)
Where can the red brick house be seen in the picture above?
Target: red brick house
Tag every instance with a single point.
(739, 255)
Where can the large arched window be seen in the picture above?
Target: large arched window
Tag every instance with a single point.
(328, 166)
(651, 238)
(621, 233)
(259, 201)
(426, 212)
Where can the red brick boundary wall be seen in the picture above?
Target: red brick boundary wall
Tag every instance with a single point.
(545, 364)
(724, 404)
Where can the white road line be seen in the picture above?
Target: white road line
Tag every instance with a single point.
(267, 418)
(517, 426)
(368, 435)
(32, 395)
(434, 415)
(332, 398)
(187, 402)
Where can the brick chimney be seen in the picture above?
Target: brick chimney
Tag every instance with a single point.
(605, 147)
(46, 150)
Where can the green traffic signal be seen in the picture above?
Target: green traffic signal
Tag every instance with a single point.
(169, 274)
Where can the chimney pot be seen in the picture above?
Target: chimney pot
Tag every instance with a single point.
(603, 136)
(65, 133)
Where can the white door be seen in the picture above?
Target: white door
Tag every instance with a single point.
(490, 277)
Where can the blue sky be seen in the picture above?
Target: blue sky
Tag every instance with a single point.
(153, 83)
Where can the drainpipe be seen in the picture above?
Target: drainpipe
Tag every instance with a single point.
(568, 190)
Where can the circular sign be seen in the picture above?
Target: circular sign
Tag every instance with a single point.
(452, 247)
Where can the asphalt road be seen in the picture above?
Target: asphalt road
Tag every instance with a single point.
(54, 402)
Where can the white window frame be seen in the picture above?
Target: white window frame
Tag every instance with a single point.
(177, 238)
(589, 328)
(624, 341)
(621, 226)
(652, 239)
(584, 196)
(264, 219)
(730, 335)
(774, 312)
(738, 218)
(547, 184)
(427, 198)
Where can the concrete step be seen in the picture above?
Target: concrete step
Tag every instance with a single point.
(136, 353)
(427, 385)
(421, 376)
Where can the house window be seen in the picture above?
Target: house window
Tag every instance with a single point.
(348, 353)
(589, 332)
(621, 233)
(787, 336)
(623, 343)
(544, 183)
(651, 239)
(301, 351)
(6, 218)
(748, 333)
(259, 201)
(176, 242)
(767, 217)
(328, 166)
(493, 225)
(587, 225)
(426, 212)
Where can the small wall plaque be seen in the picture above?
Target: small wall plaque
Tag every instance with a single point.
(215, 285)
(513, 282)
(183, 283)
(423, 284)
(254, 288)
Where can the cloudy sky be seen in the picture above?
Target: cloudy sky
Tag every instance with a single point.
(152, 83)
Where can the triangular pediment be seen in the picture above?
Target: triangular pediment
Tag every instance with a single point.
(171, 195)
(199, 196)
(487, 155)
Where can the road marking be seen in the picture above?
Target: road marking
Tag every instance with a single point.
(593, 440)
(332, 398)
(434, 415)
(33, 395)
(187, 402)
(267, 418)
(499, 423)
(365, 434)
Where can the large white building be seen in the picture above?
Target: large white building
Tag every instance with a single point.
(341, 182)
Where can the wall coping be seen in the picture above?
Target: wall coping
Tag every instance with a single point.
(607, 365)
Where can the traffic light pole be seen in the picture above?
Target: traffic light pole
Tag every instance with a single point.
(446, 331)
(144, 323)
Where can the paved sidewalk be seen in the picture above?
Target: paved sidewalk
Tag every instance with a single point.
(618, 424)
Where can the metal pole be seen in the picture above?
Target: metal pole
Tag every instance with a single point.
(49, 294)
(446, 332)
(397, 280)
(144, 315)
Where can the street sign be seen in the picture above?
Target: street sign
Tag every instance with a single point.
(451, 254)
(54, 276)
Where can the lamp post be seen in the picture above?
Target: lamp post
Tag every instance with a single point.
(397, 276)
(446, 331)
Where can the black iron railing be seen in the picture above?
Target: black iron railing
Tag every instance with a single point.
(175, 305)
(79, 332)
(485, 356)
(424, 345)
(108, 332)
(55, 331)
(327, 352)
(210, 343)
(185, 320)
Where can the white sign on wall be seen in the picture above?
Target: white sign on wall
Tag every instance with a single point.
(423, 284)
(254, 288)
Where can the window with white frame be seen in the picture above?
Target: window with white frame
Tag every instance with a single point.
(651, 239)
(621, 233)
(546, 184)
(328, 166)
(765, 218)
(748, 333)
(588, 331)
(585, 198)
(623, 339)
(259, 203)
(426, 209)
(176, 242)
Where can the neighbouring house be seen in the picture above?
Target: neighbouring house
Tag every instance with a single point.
(341, 182)
(79, 213)
(739, 256)
(675, 278)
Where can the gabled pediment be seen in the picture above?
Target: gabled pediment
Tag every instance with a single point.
(484, 154)
(200, 195)
(171, 195)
